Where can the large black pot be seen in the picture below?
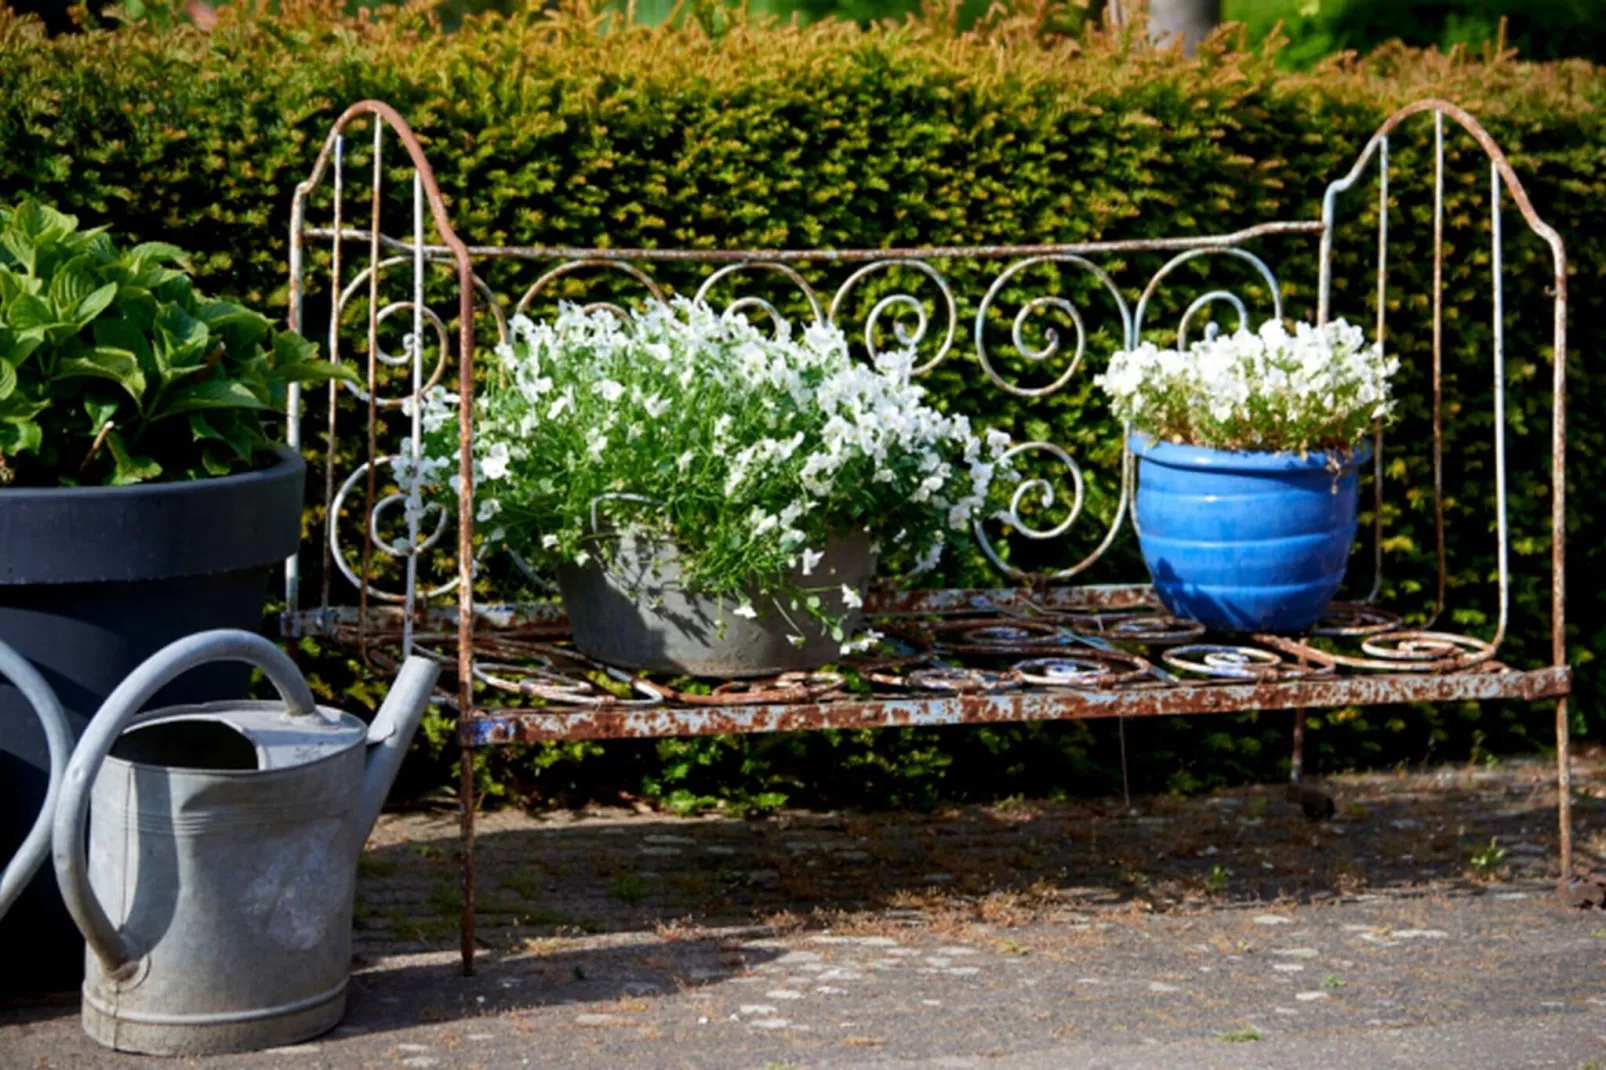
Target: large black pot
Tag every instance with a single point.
(93, 580)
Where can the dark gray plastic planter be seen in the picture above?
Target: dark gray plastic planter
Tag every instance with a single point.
(93, 580)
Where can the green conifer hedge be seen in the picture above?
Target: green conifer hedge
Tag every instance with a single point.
(728, 133)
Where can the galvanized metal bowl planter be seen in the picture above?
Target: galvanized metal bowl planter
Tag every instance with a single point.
(628, 607)
(1245, 541)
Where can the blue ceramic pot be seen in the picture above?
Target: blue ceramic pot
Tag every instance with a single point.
(1244, 542)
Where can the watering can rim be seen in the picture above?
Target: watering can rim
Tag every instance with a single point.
(346, 731)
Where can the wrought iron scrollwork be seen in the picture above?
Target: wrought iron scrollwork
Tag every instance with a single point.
(901, 305)
(1211, 297)
(569, 267)
(1051, 346)
(741, 304)
(339, 554)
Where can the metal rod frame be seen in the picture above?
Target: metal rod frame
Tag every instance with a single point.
(1093, 629)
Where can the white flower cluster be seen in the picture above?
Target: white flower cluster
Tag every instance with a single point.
(1317, 388)
(751, 451)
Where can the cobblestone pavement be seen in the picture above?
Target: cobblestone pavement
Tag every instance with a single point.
(1418, 927)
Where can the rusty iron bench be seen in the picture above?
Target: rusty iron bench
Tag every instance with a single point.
(1040, 647)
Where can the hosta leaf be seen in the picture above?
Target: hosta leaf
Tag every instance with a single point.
(119, 333)
(30, 311)
(94, 304)
(100, 244)
(24, 248)
(18, 408)
(214, 462)
(104, 362)
(201, 427)
(150, 253)
(8, 379)
(100, 410)
(295, 360)
(12, 285)
(317, 371)
(211, 394)
(244, 435)
(155, 278)
(238, 327)
(41, 221)
(225, 426)
(289, 348)
(180, 339)
(20, 436)
(20, 349)
(173, 286)
(71, 283)
(128, 467)
(34, 226)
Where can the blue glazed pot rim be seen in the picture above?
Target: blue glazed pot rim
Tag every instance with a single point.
(1174, 455)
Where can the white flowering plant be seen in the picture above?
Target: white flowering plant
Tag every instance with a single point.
(1315, 389)
(748, 450)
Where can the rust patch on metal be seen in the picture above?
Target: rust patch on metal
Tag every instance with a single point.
(490, 726)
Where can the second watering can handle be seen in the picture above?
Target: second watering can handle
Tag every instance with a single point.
(120, 707)
(58, 742)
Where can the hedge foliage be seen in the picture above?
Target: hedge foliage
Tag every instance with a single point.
(727, 132)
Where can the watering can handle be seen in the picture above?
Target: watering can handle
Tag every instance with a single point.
(58, 741)
(120, 707)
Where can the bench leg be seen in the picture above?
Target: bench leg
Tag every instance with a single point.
(1126, 780)
(1317, 804)
(1573, 890)
(465, 803)
(1564, 790)
(1296, 765)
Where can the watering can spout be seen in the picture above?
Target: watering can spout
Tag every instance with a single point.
(390, 734)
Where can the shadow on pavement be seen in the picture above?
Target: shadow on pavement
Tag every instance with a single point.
(565, 875)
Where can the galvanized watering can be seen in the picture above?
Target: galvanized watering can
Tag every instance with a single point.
(58, 741)
(224, 847)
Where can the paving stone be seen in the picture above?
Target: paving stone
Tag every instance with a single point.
(1026, 960)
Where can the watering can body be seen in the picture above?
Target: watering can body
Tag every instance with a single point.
(216, 896)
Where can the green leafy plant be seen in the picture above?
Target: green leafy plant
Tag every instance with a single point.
(628, 888)
(751, 453)
(114, 369)
(1486, 861)
(1312, 389)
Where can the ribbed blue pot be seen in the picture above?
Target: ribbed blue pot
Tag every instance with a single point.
(1244, 542)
